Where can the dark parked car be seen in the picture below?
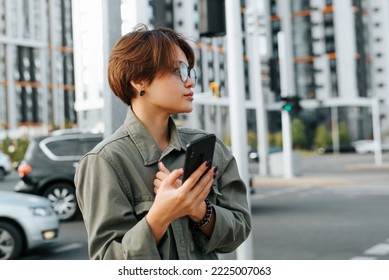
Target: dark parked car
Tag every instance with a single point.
(49, 165)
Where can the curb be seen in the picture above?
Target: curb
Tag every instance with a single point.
(299, 181)
(366, 167)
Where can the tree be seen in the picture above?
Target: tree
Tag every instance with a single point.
(275, 139)
(299, 137)
(344, 137)
(322, 137)
(252, 138)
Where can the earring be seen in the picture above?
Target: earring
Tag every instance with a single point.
(142, 92)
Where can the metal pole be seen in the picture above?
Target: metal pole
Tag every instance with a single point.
(237, 106)
(256, 87)
(335, 129)
(375, 114)
(285, 116)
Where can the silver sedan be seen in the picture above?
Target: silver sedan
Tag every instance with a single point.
(26, 222)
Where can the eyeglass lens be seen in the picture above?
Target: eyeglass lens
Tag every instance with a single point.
(184, 73)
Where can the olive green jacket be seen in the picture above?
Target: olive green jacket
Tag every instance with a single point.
(114, 187)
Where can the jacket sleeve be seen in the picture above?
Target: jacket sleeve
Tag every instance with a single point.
(113, 229)
(233, 221)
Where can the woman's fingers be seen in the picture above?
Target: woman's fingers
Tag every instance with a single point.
(171, 179)
(163, 168)
(164, 172)
(206, 182)
(160, 176)
(195, 176)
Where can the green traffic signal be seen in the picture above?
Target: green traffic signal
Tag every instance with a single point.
(287, 107)
(291, 104)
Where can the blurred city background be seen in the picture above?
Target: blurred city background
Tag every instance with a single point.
(314, 92)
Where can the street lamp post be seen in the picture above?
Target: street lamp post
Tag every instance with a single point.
(285, 114)
(237, 105)
(285, 54)
(375, 114)
(256, 85)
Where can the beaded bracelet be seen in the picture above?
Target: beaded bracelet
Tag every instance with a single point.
(207, 217)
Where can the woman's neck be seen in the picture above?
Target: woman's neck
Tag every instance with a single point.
(156, 124)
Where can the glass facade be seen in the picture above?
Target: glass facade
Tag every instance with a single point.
(303, 52)
(41, 63)
(27, 93)
(303, 48)
(361, 42)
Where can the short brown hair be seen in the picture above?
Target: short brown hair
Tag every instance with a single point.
(143, 54)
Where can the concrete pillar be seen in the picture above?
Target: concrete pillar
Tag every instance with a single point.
(114, 109)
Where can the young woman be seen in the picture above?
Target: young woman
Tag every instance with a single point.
(128, 187)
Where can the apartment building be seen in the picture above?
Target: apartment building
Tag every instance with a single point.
(338, 62)
(37, 90)
(340, 57)
(338, 49)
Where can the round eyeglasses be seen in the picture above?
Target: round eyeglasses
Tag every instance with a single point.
(186, 72)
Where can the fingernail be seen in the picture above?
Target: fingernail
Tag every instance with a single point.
(208, 162)
(215, 169)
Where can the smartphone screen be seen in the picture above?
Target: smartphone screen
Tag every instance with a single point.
(197, 152)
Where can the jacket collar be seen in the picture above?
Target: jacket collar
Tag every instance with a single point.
(146, 144)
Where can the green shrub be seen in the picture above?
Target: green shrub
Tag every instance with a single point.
(344, 137)
(15, 148)
(322, 137)
(299, 137)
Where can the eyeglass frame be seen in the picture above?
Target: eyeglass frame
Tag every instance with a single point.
(189, 73)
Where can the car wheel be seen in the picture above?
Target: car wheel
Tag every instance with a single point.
(2, 174)
(11, 241)
(63, 200)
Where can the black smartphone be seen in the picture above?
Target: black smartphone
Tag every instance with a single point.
(197, 152)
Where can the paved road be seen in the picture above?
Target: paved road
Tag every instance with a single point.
(314, 223)
(337, 209)
(72, 245)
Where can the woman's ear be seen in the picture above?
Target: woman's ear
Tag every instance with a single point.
(137, 85)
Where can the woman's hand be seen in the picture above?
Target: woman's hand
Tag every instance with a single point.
(161, 175)
(174, 200)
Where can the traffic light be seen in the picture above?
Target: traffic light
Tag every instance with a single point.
(291, 104)
(274, 76)
(287, 107)
(215, 88)
(212, 18)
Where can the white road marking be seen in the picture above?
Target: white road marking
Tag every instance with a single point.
(363, 258)
(378, 250)
(374, 252)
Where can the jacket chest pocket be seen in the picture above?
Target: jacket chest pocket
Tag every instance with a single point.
(142, 207)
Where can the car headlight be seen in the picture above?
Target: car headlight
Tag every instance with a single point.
(41, 211)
